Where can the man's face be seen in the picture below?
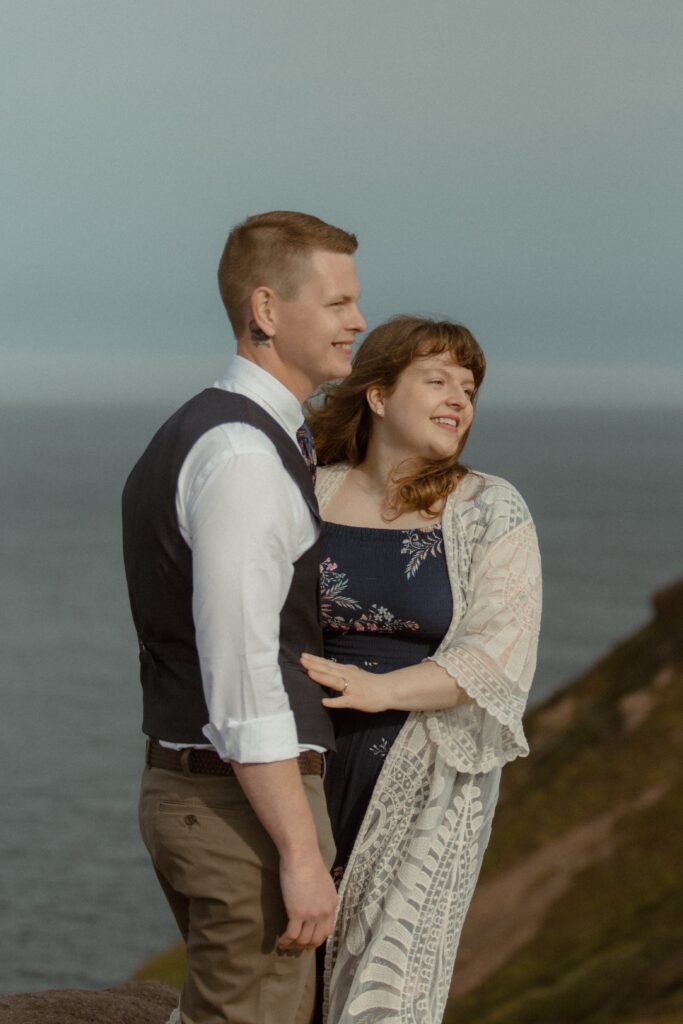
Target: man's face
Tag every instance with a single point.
(315, 331)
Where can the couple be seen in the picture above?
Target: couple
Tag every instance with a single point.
(304, 785)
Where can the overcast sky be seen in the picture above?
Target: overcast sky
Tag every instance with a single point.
(513, 164)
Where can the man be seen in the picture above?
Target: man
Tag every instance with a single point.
(220, 546)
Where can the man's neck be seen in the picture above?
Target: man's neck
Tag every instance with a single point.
(267, 359)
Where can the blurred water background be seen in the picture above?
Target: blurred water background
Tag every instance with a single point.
(79, 905)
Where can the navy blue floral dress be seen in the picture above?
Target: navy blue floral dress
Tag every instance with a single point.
(385, 603)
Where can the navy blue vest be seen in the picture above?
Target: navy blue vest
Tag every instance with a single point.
(159, 573)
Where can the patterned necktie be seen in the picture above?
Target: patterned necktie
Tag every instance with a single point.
(305, 440)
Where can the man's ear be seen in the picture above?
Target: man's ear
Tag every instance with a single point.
(261, 322)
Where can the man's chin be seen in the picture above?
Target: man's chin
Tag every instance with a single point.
(343, 366)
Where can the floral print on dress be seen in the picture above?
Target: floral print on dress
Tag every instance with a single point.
(386, 603)
(378, 619)
(420, 544)
(375, 619)
(332, 587)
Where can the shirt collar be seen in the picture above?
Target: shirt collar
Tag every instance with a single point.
(250, 380)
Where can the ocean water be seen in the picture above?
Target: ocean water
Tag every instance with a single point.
(79, 904)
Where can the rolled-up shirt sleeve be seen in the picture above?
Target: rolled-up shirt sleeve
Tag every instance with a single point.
(242, 516)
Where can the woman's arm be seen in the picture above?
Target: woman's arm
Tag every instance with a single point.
(422, 687)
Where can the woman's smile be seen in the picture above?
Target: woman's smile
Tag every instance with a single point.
(449, 422)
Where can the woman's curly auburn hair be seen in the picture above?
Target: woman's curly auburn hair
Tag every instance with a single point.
(341, 420)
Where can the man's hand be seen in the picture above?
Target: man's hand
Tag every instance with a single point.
(310, 900)
(276, 793)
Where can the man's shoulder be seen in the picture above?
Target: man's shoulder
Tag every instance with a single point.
(238, 461)
(233, 440)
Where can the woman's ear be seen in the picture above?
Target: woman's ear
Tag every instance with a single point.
(375, 399)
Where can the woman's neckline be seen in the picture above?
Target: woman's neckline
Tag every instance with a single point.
(436, 525)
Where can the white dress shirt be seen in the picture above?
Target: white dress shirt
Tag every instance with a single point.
(247, 524)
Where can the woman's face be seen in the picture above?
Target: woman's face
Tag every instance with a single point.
(428, 412)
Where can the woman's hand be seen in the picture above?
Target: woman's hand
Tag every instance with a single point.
(364, 691)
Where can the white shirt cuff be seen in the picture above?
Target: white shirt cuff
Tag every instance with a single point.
(255, 741)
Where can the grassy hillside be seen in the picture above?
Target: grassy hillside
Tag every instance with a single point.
(579, 913)
(168, 967)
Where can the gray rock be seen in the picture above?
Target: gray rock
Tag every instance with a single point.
(134, 1002)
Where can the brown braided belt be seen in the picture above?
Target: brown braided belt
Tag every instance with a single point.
(192, 761)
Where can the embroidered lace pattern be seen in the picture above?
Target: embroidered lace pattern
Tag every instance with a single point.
(412, 871)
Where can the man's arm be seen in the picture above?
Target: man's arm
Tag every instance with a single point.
(277, 796)
(242, 517)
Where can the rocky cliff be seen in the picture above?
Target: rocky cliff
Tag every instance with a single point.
(135, 1002)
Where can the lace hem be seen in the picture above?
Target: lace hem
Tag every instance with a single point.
(407, 887)
(474, 737)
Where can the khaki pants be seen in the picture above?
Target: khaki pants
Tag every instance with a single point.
(219, 870)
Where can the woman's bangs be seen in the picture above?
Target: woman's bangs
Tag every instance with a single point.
(462, 350)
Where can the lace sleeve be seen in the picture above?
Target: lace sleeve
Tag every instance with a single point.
(491, 653)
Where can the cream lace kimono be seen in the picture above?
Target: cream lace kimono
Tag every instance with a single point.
(412, 871)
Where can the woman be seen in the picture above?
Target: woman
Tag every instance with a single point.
(431, 606)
